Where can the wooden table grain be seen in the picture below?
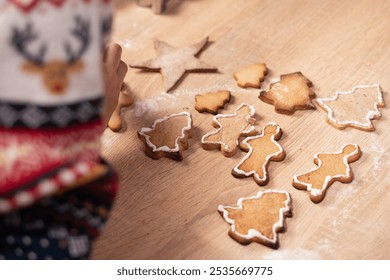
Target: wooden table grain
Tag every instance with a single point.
(168, 210)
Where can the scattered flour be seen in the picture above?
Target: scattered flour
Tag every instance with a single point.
(381, 158)
(180, 96)
(349, 190)
(232, 87)
(108, 139)
(293, 254)
(374, 146)
(127, 43)
(151, 105)
(375, 181)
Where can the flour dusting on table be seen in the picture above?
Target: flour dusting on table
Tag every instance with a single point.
(151, 105)
(292, 254)
(126, 44)
(178, 98)
(380, 159)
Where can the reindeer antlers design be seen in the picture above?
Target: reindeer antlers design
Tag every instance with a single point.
(56, 72)
(20, 38)
(81, 32)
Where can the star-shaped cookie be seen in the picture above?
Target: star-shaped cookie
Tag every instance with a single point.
(293, 92)
(174, 62)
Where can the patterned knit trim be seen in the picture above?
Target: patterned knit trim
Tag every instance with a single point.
(32, 116)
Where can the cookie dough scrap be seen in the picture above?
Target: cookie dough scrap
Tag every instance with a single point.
(168, 136)
(124, 100)
(251, 76)
(174, 62)
(261, 149)
(258, 218)
(230, 127)
(212, 102)
(356, 108)
(330, 168)
(293, 92)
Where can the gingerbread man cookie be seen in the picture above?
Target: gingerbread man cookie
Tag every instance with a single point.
(168, 136)
(330, 168)
(212, 102)
(230, 127)
(258, 218)
(354, 108)
(261, 150)
(251, 76)
(293, 92)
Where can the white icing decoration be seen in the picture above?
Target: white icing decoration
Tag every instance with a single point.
(253, 233)
(215, 119)
(165, 148)
(253, 172)
(370, 115)
(318, 192)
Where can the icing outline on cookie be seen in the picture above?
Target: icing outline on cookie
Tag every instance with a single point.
(165, 148)
(316, 194)
(250, 120)
(264, 180)
(253, 233)
(371, 115)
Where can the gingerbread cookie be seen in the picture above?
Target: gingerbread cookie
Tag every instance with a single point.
(168, 136)
(230, 127)
(124, 100)
(354, 108)
(173, 62)
(261, 150)
(258, 218)
(212, 102)
(293, 92)
(330, 168)
(251, 76)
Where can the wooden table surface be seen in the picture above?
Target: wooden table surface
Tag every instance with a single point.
(168, 210)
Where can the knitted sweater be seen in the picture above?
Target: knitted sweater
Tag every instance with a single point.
(51, 96)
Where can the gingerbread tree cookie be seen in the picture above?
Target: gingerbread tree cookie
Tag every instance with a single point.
(168, 136)
(331, 168)
(354, 108)
(230, 127)
(261, 150)
(174, 62)
(212, 102)
(293, 92)
(258, 218)
(251, 76)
